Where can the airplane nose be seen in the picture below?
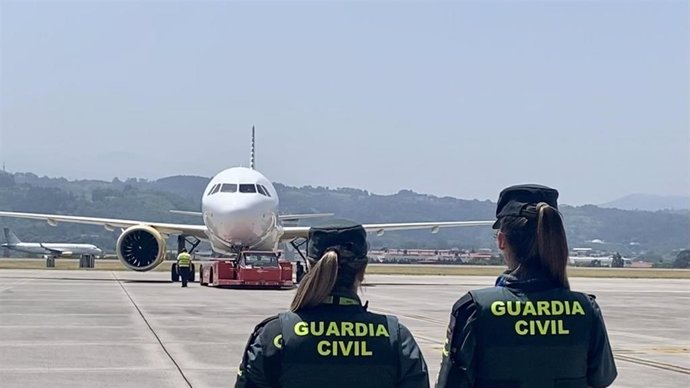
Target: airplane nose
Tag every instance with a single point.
(243, 213)
(242, 222)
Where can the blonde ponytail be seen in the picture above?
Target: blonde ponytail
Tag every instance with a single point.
(318, 283)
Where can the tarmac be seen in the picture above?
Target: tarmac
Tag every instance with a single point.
(126, 329)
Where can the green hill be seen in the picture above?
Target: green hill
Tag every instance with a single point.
(631, 232)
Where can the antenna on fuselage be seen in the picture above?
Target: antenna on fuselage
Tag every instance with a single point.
(251, 154)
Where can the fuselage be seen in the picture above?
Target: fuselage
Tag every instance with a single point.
(54, 248)
(240, 211)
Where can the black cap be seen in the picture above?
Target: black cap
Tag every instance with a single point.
(514, 200)
(345, 237)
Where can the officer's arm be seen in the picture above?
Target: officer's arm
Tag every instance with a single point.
(601, 368)
(458, 350)
(413, 369)
(260, 364)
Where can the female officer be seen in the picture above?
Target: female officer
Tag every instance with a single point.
(328, 338)
(530, 330)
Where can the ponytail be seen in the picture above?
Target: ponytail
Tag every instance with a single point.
(552, 245)
(318, 283)
(539, 240)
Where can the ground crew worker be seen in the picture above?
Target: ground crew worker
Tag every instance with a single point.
(529, 330)
(184, 261)
(328, 338)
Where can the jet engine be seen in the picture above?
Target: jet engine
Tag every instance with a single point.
(141, 248)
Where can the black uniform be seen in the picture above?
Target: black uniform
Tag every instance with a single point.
(336, 344)
(528, 331)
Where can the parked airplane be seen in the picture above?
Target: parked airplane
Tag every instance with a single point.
(597, 261)
(239, 211)
(48, 249)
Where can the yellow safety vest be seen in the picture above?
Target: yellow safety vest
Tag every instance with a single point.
(184, 259)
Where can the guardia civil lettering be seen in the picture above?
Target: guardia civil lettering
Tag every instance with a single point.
(343, 344)
(532, 313)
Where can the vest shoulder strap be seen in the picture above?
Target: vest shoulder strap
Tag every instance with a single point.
(287, 320)
(484, 296)
(394, 329)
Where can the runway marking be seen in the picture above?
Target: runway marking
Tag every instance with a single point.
(97, 369)
(417, 317)
(152, 331)
(25, 344)
(641, 336)
(71, 314)
(653, 364)
(17, 283)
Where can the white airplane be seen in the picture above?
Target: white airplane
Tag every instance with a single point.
(49, 249)
(596, 261)
(239, 211)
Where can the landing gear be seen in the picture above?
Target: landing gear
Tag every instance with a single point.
(174, 275)
(182, 242)
(201, 276)
(300, 270)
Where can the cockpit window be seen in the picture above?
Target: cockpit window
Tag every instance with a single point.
(215, 189)
(229, 188)
(268, 193)
(247, 188)
(261, 190)
(212, 190)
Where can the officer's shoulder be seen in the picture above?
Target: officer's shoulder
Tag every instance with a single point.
(389, 317)
(589, 299)
(465, 303)
(269, 323)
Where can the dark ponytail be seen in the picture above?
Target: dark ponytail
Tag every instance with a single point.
(552, 244)
(539, 240)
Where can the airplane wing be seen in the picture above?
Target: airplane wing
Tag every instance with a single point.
(54, 251)
(297, 217)
(187, 213)
(198, 231)
(293, 232)
(282, 217)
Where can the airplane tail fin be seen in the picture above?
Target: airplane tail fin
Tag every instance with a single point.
(251, 153)
(10, 237)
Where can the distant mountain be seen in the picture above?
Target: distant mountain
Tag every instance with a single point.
(188, 186)
(628, 231)
(650, 202)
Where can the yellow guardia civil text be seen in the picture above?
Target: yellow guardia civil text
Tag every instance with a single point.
(346, 339)
(543, 317)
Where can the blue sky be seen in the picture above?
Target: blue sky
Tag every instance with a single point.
(455, 98)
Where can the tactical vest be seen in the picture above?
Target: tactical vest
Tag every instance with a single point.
(183, 260)
(343, 347)
(538, 339)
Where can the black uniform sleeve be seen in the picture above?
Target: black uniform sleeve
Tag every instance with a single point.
(458, 351)
(413, 369)
(601, 368)
(261, 360)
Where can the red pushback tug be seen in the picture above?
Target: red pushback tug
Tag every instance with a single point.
(250, 269)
